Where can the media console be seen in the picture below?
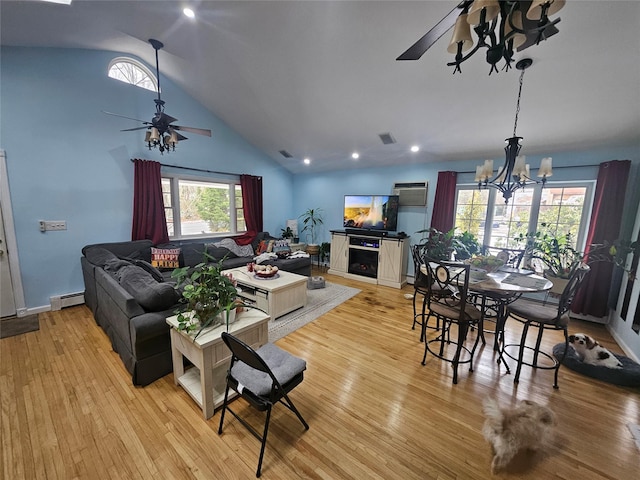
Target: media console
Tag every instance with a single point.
(369, 258)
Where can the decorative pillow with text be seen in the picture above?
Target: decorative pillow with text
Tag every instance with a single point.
(165, 258)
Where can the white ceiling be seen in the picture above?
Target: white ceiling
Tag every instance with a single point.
(320, 80)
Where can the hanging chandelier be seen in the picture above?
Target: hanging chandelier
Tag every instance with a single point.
(515, 173)
(501, 27)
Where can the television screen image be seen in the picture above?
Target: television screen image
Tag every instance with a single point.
(371, 212)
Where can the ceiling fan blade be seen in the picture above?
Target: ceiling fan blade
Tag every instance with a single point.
(123, 116)
(532, 38)
(199, 131)
(132, 129)
(163, 118)
(181, 137)
(415, 51)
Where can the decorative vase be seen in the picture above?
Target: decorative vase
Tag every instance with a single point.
(208, 315)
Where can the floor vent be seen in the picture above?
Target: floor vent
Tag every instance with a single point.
(59, 302)
(387, 138)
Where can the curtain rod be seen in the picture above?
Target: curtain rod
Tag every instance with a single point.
(554, 167)
(194, 169)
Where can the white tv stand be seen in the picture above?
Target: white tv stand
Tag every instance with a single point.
(380, 260)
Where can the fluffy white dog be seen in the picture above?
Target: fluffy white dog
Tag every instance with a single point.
(527, 426)
(591, 352)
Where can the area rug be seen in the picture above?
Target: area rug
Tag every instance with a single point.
(319, 302)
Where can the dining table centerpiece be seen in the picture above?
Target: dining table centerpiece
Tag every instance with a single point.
(209, 295)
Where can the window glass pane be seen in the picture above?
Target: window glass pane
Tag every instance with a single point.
(241, 226)
(511, 219)
(561, 210)
(168, 207)
(129, 71)
(204, 207)
(471, 211)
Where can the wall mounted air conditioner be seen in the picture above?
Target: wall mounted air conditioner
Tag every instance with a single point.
(412, 194)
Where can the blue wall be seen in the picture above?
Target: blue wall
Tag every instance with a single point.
(310, 190)
(68, 161)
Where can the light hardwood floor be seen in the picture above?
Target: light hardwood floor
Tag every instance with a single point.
(69, 409)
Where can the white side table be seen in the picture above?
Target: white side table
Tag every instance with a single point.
(207, 381)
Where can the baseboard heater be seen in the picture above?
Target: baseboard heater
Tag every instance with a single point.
(59, 302)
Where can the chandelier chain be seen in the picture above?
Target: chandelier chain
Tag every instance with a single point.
(515, 123)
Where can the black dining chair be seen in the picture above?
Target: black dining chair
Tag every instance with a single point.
(543, 317)
(263, 378)
(451, 309)
(420, 290)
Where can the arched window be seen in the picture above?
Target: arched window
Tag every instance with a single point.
(133, 72)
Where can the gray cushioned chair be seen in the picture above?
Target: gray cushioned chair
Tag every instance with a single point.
(263, 378)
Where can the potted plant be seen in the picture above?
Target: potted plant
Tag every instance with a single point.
(466, 245)
(556, 253)
(438, 245)
(287, 234)
(209, 294)
(311, 219)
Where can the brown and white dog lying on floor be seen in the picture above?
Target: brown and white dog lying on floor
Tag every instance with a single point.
(591, 352)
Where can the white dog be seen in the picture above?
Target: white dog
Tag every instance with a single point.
(528, 426)
(590, 351)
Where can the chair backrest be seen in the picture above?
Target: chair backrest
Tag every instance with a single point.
(418, 252)
(512, 256)
(450, 277)
(245, 353)
(573, 285)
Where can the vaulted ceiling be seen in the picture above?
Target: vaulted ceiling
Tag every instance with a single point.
(320, 79)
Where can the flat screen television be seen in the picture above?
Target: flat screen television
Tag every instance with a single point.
(371, 212)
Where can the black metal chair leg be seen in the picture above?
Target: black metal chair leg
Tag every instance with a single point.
(525, 329)
(264, 441)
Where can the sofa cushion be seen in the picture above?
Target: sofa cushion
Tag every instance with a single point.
(132, 249)
(155, 273)
(193, 254)
(219, 252)
(152, 295)
(165, 258)
(100, 256)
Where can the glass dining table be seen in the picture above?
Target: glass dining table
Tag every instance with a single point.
(494, 291)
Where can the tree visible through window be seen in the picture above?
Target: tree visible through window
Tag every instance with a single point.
(130, 71)
(200, 207)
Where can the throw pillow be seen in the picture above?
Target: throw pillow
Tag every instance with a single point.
(262, 247)
(151, 295)
(165, 258)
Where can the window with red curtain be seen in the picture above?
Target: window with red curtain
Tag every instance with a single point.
(149, 221)
(606, 219)
(443, 216)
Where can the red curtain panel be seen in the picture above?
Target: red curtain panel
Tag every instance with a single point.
(606, 219)
(149, 221)
(252, 207)
(443, 217)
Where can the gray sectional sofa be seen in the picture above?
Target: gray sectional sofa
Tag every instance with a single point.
(130, 299)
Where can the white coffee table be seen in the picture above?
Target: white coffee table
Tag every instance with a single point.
(207, 381)
(276, 296)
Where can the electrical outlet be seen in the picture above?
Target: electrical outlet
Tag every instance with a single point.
(50, 225)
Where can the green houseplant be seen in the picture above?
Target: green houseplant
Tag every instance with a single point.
(209, 294)
(466, 245)
(325, 249)
(438, 245)
(287, 233)
(311, 219)
(555, 252)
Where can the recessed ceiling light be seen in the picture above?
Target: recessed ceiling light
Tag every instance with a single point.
(355, 155)
(415, 148)
(307, 161)
(189, 13)
(62, 2)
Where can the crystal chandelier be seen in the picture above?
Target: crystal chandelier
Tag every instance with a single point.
(501, 27)
(515, 173)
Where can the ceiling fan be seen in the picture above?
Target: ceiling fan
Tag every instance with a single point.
(160, 131)
(501, 26)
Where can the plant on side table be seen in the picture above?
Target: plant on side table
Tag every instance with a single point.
(287, 234)
(210, 296)
(438, 245)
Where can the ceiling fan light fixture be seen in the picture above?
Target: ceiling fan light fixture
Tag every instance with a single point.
(461, 35)
(513, 33)
(154, 135)
(491, 9)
